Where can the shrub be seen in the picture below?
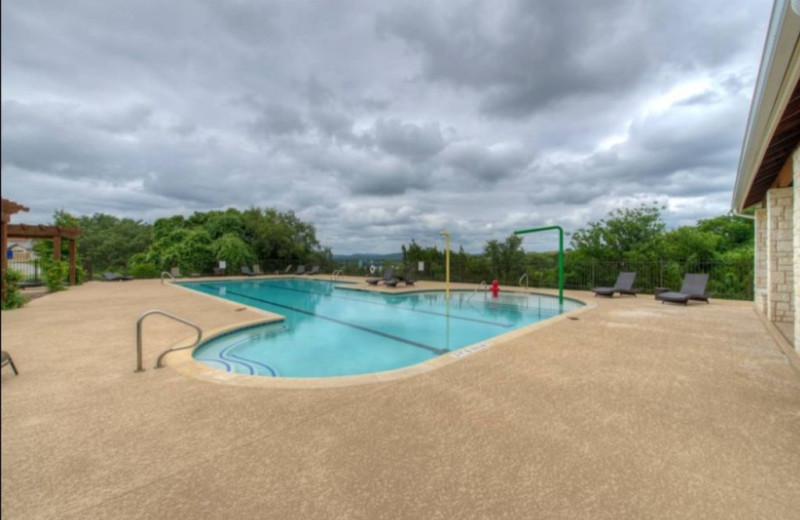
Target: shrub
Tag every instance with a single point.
(55, 273)
(14, 298)
(144, 270)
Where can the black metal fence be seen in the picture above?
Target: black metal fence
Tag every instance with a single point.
(31, 270)
(727, 280)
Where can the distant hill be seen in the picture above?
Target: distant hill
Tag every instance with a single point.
(368, 256)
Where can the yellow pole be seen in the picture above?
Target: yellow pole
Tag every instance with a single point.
(446, 236)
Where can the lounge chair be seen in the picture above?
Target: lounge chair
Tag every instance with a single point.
(285, 271)
(301, 269)
(388, 278)
(219, 271)
(623, 285)
(693, 288)
(176, 272)
(6, 360)
(115, 277)
(314, 270)
(246, 271)
(257, 270)
(408, 280)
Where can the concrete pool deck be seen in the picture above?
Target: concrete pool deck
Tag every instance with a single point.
(634, 410)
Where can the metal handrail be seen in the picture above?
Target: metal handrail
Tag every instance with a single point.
(523, 277)
(481, 287)
(168, 274)
(139, 336)
(337, 274)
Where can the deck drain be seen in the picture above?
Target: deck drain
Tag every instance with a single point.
(240, 309)
(575, 318)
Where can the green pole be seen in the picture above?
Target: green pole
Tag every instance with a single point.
(560, 255)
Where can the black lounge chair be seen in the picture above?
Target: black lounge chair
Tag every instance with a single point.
(623, 285)
(246, 271)
(301, 269)
(6, 360)
(314, 270)
(115, 277)
(693, 288)
(388, 278)
(218, 271)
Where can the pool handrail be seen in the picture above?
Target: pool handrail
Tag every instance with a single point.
(523, 277)
(481, 287)
(168, 315)
(168, 274)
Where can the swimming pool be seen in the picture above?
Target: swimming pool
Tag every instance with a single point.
(331, 331)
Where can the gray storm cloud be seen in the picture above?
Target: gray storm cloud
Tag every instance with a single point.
(378, 122)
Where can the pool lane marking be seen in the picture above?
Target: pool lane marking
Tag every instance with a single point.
(429, 348)
(476, 320)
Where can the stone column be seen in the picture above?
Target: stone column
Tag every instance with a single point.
(796, 247)
(760, 262)
(780, 255)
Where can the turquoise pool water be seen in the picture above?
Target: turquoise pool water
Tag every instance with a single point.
(332, 331)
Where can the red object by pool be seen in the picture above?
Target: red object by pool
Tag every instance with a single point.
(495, 288)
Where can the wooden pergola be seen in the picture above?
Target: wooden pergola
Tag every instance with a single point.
(55, 233)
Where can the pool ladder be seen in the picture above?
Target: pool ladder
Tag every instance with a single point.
(481, 287)
(161, 356)
(168, 274)
(525, 278)
(337, 274)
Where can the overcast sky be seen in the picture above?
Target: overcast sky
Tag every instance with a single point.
(379, 121)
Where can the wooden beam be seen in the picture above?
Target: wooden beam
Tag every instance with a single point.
(785, 176)
(56, 247)
(4, 232)
(10, 207)
(72, 262)
(26, 231)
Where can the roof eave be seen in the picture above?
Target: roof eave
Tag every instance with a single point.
(777, 76)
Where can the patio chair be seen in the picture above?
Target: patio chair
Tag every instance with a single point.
(6, 360)
(285, 271)
(314, 270)
(257, 270)
(301, 269)
(623, 285)
(388, 278)
(176, 272)
(116, 277)
(246, 271)
(218, 271)
(693, 288)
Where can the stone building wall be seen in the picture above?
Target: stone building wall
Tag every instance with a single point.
(760, 261)
(780, 254)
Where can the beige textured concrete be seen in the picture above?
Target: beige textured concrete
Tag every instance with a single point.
(633, 410)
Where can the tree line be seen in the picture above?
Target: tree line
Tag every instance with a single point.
(627, 239)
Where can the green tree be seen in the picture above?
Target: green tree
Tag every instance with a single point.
(108, 242)
(195, 254)
(44, 249)
(234, 251)
(507, 258)
(625, 231)
(733, 232)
